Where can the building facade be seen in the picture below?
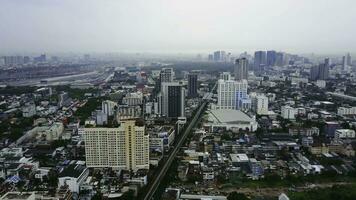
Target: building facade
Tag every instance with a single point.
(172, 100)
(192, 85)
(233, 95)
(125, 147)
(241, 69)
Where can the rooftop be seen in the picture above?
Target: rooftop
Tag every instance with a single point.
(229, 116)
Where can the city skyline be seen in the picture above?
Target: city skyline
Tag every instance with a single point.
(177, 26)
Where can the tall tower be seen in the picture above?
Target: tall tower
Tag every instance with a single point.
(271, 58)
(165, 76)
(172, 100)
(260, 60)
(348, 59)
(241, 69)
(192, 85)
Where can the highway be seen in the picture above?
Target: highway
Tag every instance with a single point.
(156, 182)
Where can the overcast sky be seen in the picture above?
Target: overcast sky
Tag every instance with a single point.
(299, 26)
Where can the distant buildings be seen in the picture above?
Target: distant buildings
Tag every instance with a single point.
(320, 72)
(241, 69)
(348, 59)
(125, 147)
(233, 95)
(260, 60)
(192, 85)
(219, 56)
(271, 58)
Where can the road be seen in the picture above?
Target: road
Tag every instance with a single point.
(156, 182)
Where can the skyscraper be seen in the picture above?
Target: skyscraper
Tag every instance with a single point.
(348, 59)
(166, 75)
(217, 56)
(324, 69)
(172, 100)
(260, 60)
(314, 73)
(192, 85)
(271, 58)
(344, 62)
(279, 59)
(233, 95)
(320, 72)
(241, 69)
(125, 147)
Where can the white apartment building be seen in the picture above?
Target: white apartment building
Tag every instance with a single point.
(288, 112)
(346, 111)
(233, 95)
(260, 104)
(133, 99)
(125, 147)
(108, 107)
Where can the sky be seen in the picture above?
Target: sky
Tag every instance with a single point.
(177, 26)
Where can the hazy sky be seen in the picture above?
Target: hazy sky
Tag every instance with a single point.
(300, 26)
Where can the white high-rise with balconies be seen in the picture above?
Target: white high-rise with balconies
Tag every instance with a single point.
(125, 147)
(233, 95)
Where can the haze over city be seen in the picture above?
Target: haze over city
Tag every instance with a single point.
(177, 99)
(184, 26)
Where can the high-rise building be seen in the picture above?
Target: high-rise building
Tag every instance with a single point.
(125, 147)
(233, 95)
(172, 100)
(108, 107)
(324, 69)
(260, 104)
(344, 62)
(219, 56)
(271, 58)
(279, 59)
(260, 60)
(192, 85)
(320, 72)
(165, 76)
(26, 59)
(210, 57)
(314, 73)
(348, 59)
(241, 69)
